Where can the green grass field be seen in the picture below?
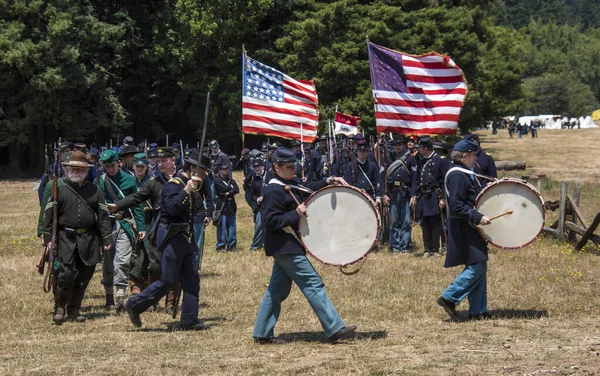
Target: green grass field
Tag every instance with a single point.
(545, 298)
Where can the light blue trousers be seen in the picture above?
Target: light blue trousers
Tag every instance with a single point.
(471, 283)
(298, 269)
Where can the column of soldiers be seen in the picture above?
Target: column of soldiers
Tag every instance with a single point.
(112, 211)
(127, 217)
(403, 175)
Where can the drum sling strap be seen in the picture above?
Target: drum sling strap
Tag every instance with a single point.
(468, 172)
(289, 229)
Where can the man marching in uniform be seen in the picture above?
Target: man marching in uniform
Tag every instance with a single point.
(465, 245)
(128, 227)
(281, 216)
(83, 229)
(151, 190)
(429, 199)
(402, 185)
(175, 236)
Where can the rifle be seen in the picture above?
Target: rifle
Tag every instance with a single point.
(51, 251)
(42, 259)
(352, 167)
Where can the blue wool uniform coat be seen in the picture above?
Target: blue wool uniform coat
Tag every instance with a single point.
(370, 180)
(484, 165)
(465, 244)
(279, 213)
(405, 179)
(430, 175)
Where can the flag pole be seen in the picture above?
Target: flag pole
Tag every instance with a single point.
(302, 149)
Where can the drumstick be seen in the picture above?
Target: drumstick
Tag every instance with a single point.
(509, 211)
(289, 190)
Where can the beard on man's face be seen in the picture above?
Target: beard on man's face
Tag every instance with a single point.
(76, 176)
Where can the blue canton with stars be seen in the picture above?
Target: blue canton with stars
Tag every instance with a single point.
(261, 81)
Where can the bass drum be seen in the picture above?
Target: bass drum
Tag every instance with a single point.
(342, 225)
(523, 226)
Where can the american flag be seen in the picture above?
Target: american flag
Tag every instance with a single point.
(415, 94)
(275, 104)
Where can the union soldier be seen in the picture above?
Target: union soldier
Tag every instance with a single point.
(402, 185)
(218, 158)
(429, 199)
(296, 148)
(152, 166)
(83, 229)
(484, 164)
(178, 155)
(150, 191)
(290, 264)
(225, 190)
(64, 148)
(364, 174)
(244, 163)
(318, 157)
(126, 154)
(465, 245)
(176, 241)
(127, 228)
(254, 185)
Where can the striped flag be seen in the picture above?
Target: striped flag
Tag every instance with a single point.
(415, 94)
(275, 104)
(346, 124)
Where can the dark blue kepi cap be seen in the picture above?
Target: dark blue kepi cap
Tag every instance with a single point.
(466, 146)
(472, 137)
(283, 155)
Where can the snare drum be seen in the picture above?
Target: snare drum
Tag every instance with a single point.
(342, 225)
(518, 229)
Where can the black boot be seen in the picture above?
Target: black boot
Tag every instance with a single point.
(110, 302)
(75, 305)
(61, 298)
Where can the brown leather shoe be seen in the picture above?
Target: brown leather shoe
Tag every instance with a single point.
(449, 307)
(347, 332)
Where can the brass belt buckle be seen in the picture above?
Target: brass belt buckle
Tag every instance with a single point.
(118, 216)
(80, 231)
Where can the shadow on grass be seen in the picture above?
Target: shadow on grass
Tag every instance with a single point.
(209, 274)
(173, 326)
(321, 338)
(505, 314)
(96, 315)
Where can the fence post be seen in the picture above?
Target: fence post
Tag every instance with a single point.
(562, 209)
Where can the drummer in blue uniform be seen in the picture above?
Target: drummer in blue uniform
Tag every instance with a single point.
(402, 185)
(364, 174)
(429, 198)
(281, 217)
(484, 164)
(175, 235)
(465, 245)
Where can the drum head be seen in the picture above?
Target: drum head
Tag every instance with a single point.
(514, 230)
(342, 225)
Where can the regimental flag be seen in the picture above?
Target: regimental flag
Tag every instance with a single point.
(275, 104)
(346, 124)
(415, 94)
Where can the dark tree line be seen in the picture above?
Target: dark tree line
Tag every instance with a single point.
(96, 70)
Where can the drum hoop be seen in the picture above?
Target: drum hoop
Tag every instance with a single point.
(377, 215)
(521, 182)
